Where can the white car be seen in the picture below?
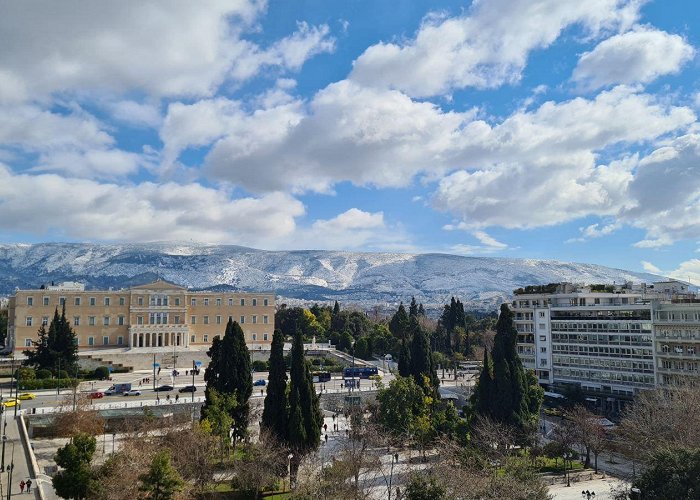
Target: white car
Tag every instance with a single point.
(132, 392)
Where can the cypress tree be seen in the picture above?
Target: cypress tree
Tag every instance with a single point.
(404, 360)
(421, 365)
(413, 308)
(421, 310)
(484, 390)
(305, 417)
(398, 325)
(229, 373)
(336, 308)
(276, 412)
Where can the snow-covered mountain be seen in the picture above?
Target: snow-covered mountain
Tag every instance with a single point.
(366, 279)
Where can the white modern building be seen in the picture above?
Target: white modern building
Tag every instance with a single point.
(610, 340)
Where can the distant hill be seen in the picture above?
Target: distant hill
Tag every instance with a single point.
(364, 279)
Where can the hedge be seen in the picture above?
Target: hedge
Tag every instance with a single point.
(49, 383)
(43, 373)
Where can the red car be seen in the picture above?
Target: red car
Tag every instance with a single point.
(97, 395)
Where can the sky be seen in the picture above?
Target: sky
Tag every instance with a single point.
(544, 129)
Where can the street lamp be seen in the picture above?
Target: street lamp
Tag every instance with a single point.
(567, 456)
(394, 460)
(289, 468)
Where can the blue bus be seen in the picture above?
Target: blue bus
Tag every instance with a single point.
(360, 372)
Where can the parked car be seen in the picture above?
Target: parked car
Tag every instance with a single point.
(259, 382)
(164, 388)
(132, 392)
(97, 395)
(11, 403)
(188, 388)
(27, 395)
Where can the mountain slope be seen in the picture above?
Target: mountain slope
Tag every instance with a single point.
(314, 275)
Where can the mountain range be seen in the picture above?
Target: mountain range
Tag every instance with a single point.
(363, 279)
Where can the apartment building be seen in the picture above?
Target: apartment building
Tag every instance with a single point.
(605, 339)
(158, 314)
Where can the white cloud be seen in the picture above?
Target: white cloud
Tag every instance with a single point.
(351, 219)
(487, 47)
(638, 56)
(651, 268)
(136, 114)
(596, 230)
(489, 241)
(175, 49)
(687, 271)
(99, 164)
(353, 228)
(539, 168)
(89, 210)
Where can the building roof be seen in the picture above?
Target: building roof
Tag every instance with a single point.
(158, 284)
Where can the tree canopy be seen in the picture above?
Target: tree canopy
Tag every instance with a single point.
(276, 409)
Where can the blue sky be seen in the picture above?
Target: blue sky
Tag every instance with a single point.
(549, 129)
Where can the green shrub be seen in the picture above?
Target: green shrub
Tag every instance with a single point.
(49, 383)
(101, 373)
(260, 366)
(43, 373)
(25, 373)
(63, 374)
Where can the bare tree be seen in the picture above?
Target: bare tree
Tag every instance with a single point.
(74, 416)
(588, 433)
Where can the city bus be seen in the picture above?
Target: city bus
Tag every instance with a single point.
(321, 376)
(360, 372)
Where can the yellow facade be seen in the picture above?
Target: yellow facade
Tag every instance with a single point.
(158, 314)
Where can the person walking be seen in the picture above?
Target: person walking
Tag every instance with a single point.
(29, 485)
(21, 486)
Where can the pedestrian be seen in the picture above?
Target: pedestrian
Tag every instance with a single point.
(29, 485)
(21, 486)
(325, 427)
(187, 373)
(326, 438)
(167, 397)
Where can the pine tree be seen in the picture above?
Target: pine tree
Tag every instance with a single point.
(229, 373)
(305, 417)
(421, 310)
(56, 347)
(276, 411)
(162, 481)
(336, 308)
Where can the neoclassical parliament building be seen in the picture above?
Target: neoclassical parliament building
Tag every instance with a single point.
(158, 314)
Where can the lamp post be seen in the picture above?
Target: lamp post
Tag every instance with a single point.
(567, 456)
(289, 468)
(9, 473)
(394, 460)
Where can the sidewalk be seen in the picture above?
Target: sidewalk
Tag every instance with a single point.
(14, 452)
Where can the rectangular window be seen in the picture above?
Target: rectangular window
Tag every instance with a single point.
(242, 302)
(91, 340)
(543, 338)
(543, 349)
(120, 320)
(177, 320)
(242, 322)
(193, 302)
(76, 301)
(230, 302)
(265, 319)
(542, 326)
(255, 302)
(255, 319)
(206, 320)
(105, 321)
(193, 320)
(218, 302)
(91, 320)
(30, 301)
(192, 339)
(93, 301)
(139, 320)
(122, 301)
(120, 340)
(206, 302)
(105, 340)
(61, 301)
(255, 336)
(140, 301)
(76, 320)
(46, 301)
(106, 301)
(29, 321)
(264, 336)
(206, 338)
(45, 321)
(177, 301)
(218, 320)
(27, 342)
(266, 302)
